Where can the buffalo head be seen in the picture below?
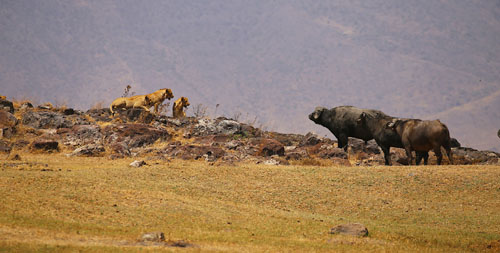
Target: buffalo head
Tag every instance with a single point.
(316, 115)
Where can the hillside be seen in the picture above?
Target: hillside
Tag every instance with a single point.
(89, 181)
(274, 61)
(475, 113)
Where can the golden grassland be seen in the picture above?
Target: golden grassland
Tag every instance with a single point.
(58, 203)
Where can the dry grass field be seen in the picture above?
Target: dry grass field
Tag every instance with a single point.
(55, 203)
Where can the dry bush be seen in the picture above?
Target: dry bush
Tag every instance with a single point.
(236, 116)
(61, 103)
(127, 91)
(199, 111)
(163, 108)
(18, 102)
(98, 105)
(215, 111)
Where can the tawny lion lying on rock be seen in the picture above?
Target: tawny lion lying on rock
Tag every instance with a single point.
(178, 108)
(145, 101)
(131, 102)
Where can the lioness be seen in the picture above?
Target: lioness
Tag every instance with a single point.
(178, 108)
(131, 102)
(157, 97)
(144, 101)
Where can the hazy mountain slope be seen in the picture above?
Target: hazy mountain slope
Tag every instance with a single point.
(274, 60)
(476, 122)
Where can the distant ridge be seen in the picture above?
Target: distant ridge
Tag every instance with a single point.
(273, 61)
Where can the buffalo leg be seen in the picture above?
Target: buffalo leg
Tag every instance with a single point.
(420, 155)
(387, 154)
(342, 141)
(426, 158)
(447, 147)
(439, 156)
(409, 155)
(418, 158)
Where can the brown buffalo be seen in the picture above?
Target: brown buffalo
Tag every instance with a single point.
(422, 136)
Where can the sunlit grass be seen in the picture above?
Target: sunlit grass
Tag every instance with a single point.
(92, 203)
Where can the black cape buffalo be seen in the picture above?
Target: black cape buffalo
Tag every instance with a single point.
(376, 123)
(422, 136)
(341, 121)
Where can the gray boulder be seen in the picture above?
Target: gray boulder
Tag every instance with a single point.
(215, 127)
(88, 150)
(5, 147)
(45, 145)
(137, 163)
(7, 124)
(354, 229)
(81, 135)
(6, 105)
(153, 237)
(49, 119)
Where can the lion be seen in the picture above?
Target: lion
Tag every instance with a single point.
(142, 101)
(145, 101)
(157, 97)
(178, 108)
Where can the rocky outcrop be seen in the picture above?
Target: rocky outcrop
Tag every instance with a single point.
(219, 126)
(472, 156)
(81, 135)
(188, 152)
(123, 137)
(88, 150)
(130, 132)
(102, 114)
(6, 105)
(45, 145)
(8, 124)
(269, 147)
(50, 119)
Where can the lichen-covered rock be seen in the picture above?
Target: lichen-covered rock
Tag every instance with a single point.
(296, 154)
(26, 105)
(6, 105)
(138, 115)
(5, 146)
(137, 163)
(328, 151)
(50, 119)
(187, 152)
(81, 135)
(102, 114)
(88, 150)
(216, 127)
(45, 145)
(8, 124)
(153, 237)
(269, 147)
(310, 139)
(134, 135)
